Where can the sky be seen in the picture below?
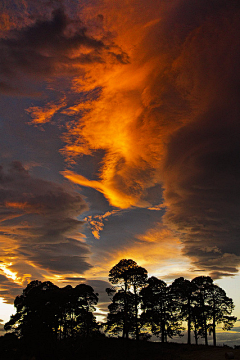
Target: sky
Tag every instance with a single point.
(120, 138)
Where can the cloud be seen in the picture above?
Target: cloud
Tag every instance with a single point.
(164, 117)
(55, 46)
(140, 106)
(62, 257)
(201, 167)
(8, 289)
(96, 222)
(104, 300)
(159, 250)
(170, 117)
(74, 278)
(42, 115)
(39, 227)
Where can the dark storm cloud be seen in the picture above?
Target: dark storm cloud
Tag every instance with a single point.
(59, 46)
(202, 176)
(39, 220)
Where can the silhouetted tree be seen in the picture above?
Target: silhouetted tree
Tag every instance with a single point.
(117, 309)
(222, 307)
(197, 321)
(203, 309)
(213, 307)
(84, 300)
(129, 276)
(35, 315)
(160, 310)
(44, 310)
(182, 291)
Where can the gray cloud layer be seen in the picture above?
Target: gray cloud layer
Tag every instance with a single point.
(39, 223)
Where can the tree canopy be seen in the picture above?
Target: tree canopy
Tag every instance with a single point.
(45, 310)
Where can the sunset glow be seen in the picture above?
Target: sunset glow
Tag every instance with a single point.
(119, 139)
(9, 274)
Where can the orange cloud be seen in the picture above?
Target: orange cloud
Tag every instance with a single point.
(115, 196)
(42, 115)
(138, 109)
(5, 22)
(4, 267)
(96, 226)
(96, 222)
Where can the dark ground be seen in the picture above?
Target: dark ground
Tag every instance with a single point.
(111, 349)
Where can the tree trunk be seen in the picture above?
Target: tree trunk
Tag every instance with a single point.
(205, 331)
(60, 329)
(65, 326)
(136, 314)
(195, 332)
(214, 335)
(71, 314)
(204, 320)
(125, 321)
(127, 331)
(214, 326)
(189, 321)
(163, 331)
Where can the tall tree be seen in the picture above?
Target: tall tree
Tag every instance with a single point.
(84, 302)
(203, 285)
(129, 276)
(116, 317)
(138, 278)
(160, 310)
(220, 309)
(212, 307)
(182, 291)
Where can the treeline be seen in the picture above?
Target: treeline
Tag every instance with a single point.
(140, 307)
(143, 306)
